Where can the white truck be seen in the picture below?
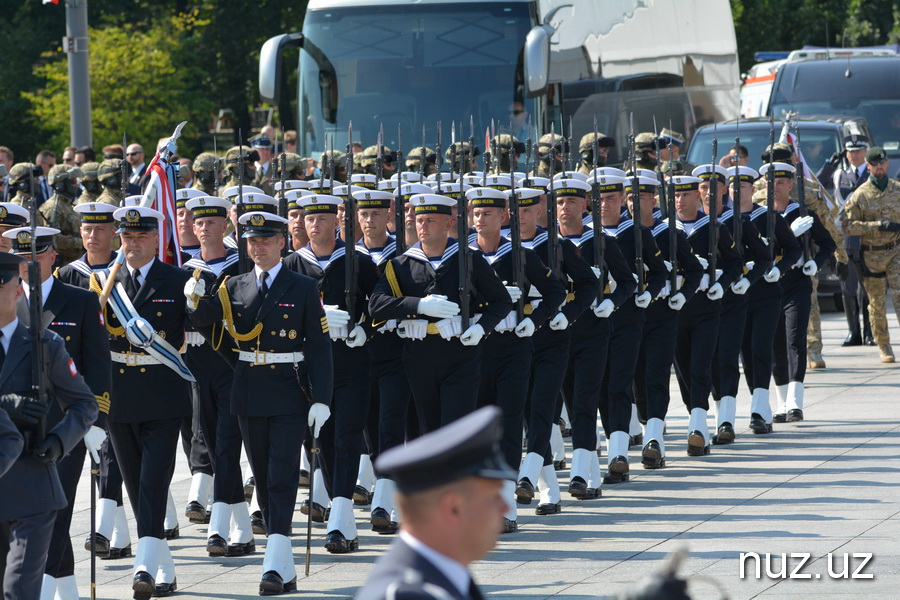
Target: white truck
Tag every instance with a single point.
(408, 64)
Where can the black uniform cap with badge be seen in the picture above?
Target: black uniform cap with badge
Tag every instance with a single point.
(262, 224)
(13, 215)
(21, 239)
(9, 267)
(137, 218)
(467, 447)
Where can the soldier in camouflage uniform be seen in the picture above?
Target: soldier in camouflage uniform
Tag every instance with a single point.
(414, 160)
(545, 143)
(645, 149)
(586, 150)
(294, 167)
(232, 156)
(22, 185)
(57, 212)
(207, 166)
(366, 161)
(873, 213)
(468, 157)
(340, 165)
(110, 177)
(502, 145)
(818, 201)
(90, 185)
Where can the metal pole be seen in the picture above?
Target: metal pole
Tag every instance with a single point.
(75, 44)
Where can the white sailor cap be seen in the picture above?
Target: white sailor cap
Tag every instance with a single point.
(526, 196)
(185, 194)
(486, 197)
(779, 169)
(21, 239)
(319, 203)
(132, 200)
(364, 180)
(451, 189)
(685, 183)
(95, 212)
(608, 183)
(256, 201)
(569, 187)
(606, 171)
(571, 175)
(232, 191)
(293, 196)
(13, 214)
(408, 190)
(745, 173)
(208, 206)
(342, 191)
(292, 184)
(433, 203)
(641, 173)
(372, 199)
(645, 183)
(705, 172)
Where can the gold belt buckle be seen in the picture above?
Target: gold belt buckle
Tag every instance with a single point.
(131, 359)
(260, 357)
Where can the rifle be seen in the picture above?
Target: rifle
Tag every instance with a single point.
(471, 144)
(554, 257)
(312, 478)
(569, 148)
(351, 266)
(215, 168)
(379, 158)
(239, 229)
(770, 194)
(713, 210)
(515, 233)
(399, 209)
(282, 199)
(669, 190)
(422, 158)
(452, 150)
(488, 156)
(636, 203)
(737, 225)
(801, 198)
(438, 162)
(663, 204)
(599, 235)
(39, 365)
(465, 259)
(123, 167)
(528, 149)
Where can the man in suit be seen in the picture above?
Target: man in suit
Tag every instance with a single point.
(150, 396)
(32, 493)
(136, 167)
(46, 160)
(448, 484)
(73, 313)
(282, 380)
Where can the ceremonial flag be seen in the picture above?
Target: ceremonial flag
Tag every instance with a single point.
(51, 1)
(160, 195)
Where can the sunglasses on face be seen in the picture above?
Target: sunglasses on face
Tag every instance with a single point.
(133, 153)
(516, 111)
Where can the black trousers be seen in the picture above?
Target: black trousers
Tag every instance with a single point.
(790, 336)
(27, 541)
(549, 364)
(444, 377)
(759, 334)
(60, 558)
(654, 365)
(726, 372)
(505, 384)
(221, 432)
(587, 361)
(192, 442)
(391, 387)
(273, 449)
(695, 349)
(109, 483)
(146, 454)
(621, 361)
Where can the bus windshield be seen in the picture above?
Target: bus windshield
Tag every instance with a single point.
(412, 65)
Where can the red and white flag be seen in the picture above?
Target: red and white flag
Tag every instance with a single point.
(51, 1)
(161, 190)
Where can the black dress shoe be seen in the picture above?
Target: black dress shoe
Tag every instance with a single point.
(271, 584)
(196, 513)
(559, 465)
(101, 545)
(318, 511)
(257, 524)
(336, 543)
(565, 431)
(143, 584)
(216, 546)
(651, 456)
(164, 589)
(548, 508)
(617, 471)
(304, 478)
(779, 418)
(115, 553)
(759, 425)
(381, 522)
(361, 496)
(795, 414)
(852, 340)
(697, 445)
(172, 534)
(636, 440)
(524, 491)
(578, 488)
(869, 340)
(509, 526)
(248, 488)
(725, 434)
(241, 549)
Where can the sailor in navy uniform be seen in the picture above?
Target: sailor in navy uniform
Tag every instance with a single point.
(698, 323)
(448, 485)
(789, 370)
(508, 351)
(726, 374)
(550, 355)
(282, 383)
(11, 216)
(98, 234)
(657, 348)
(32, 492)
(184, 224)
(420, 289)
(211, 358)
(325, 260)
(764, 302)
(244, 204)
(74, 314)
(627, 322)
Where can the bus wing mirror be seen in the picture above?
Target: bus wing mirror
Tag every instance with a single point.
(537, 60)
(270, 59)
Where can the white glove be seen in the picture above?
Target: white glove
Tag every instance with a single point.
(515, 292)
(357, 337)
(801, 225)
(668, 266)
(525, 328)
(703, 262)
(643, 300)
(335, 316)
(677, 301)
(472, 335)
(715, 292)
(772, 275)
(604, 309)
(194, 289)
(559, 322)
(93, 439)
(318, 414)
(437, 306)
(596, 271)
(810, 268)
(740, 286)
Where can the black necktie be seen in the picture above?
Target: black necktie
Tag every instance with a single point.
(2, 352)
(263, 286)
(133, 284)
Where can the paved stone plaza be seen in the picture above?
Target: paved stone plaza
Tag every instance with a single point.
(828, 485)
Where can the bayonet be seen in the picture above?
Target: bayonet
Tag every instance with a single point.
(636, 203)
(713, 209)
(399, 209)
(599, 235)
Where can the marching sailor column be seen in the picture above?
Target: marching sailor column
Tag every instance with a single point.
(550, 356)
(74, 314)
(627, 322)
(508, 351)
(698, 324)
(657, 348)
(726, 373)
(282, 383)
(325, 260)
(210, 356)
(421, 289)
(790, 347)
(151, 392)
